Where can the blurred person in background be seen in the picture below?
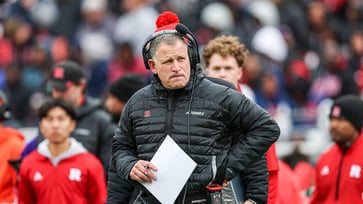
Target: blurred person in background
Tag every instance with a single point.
(94, 127)
(119, 93)
(125, 61)
(135, 23)
(11, 144)
(61, 170)
(224, 57)
(338, 171)
(18, 93)
(97, 27)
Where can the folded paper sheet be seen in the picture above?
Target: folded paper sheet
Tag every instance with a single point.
(174, 168)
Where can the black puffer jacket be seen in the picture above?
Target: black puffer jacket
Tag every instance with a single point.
(200, 119)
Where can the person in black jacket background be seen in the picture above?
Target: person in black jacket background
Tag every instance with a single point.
(199, 115)
(118, 94)
(94, 126)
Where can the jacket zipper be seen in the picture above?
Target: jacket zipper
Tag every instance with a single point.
(170, 113)
(338, 176)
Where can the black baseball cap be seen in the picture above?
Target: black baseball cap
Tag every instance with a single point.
(65, 73)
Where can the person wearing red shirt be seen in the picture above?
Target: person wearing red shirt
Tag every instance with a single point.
(11, 144)
(339, 175)
(224, 57)
(60, 170)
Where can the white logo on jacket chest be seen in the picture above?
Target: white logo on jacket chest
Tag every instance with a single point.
(37, 176)
(324, 171)
(355, 171)
(75, 174)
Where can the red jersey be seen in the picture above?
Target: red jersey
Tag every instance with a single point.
(73, 177)
(11, 145)
(339, 175)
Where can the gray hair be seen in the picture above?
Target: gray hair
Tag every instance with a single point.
(169, 39)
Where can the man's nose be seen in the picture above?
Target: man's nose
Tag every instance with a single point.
(176, 66)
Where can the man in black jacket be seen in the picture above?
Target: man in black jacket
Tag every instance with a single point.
(94, 127)
(199, 115)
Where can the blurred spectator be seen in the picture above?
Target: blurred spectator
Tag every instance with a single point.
(67, 20)
(60, 170)
(290, 190)
(217, 18)
(97, 27)
(94, 128)
(96, 18)
(36, 68)
(332, 79)
(224, 58)
(292, 16)
(60, 49)
(11, 145)
(135, 23)
(303, 110)
(339, 169)
(18, 93)
(120, 91)
(94, 58)
(126, 61)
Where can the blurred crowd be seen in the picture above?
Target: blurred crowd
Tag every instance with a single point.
(303, 53)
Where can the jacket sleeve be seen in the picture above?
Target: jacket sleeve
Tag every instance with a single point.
(118, 190)
(96, 190)
(107, 131)
(26, 195)
(259, 130)
(124, 148)
(255, 181)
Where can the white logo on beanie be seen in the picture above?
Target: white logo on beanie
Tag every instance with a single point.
(336, 111)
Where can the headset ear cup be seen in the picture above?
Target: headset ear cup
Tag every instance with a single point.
(146, 57)
(193, 54)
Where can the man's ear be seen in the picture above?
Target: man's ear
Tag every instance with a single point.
(83, 83)
(151, 64)
(240, 73)
(73, 125)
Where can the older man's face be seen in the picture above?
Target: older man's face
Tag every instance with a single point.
(171, 63)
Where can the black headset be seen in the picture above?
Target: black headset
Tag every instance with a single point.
(184, 32)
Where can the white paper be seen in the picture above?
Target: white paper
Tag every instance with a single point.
(174, 168)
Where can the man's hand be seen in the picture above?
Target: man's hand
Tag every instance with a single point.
(249, 201)
(141, 171)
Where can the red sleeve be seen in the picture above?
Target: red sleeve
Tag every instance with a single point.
(96, 178)
(273, 168)
(272, 186)
(272, 160)
(26, 194)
